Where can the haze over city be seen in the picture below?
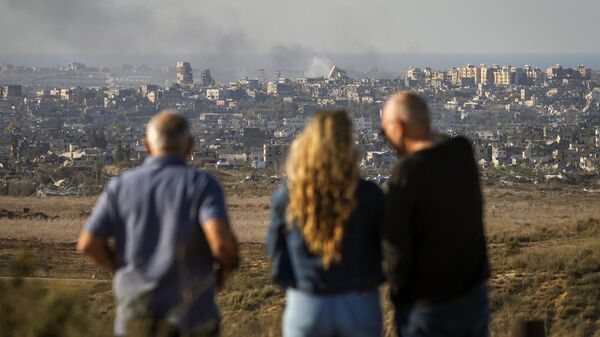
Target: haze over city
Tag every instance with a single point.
(308, 36)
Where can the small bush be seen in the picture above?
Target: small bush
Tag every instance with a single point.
(590, 225)
(512, 248)
(27, 309)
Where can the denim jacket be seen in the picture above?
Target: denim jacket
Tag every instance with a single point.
(360, 267)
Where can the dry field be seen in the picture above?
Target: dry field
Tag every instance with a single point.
(544, 245)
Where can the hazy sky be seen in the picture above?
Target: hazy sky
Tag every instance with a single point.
(286, 26)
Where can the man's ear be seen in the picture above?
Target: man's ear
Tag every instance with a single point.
(401, 129)
(147, 146)
(398, 130)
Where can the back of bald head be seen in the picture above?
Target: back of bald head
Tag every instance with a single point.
(169, 132)
(409, 108)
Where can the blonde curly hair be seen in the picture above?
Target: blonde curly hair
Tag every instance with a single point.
(323, 173)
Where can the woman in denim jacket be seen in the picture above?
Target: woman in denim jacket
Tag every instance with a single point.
(324, 235)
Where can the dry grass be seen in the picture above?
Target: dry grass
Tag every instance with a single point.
(515, 210)
(249, 218)
(544, 248)
(548, 272)
(59, 230)
(64, 207)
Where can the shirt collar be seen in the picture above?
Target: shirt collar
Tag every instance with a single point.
(167, 159)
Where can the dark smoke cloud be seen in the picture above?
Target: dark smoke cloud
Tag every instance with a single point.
(114, 27)
(289, 56)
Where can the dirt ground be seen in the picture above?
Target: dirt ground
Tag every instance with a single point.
(544, 246)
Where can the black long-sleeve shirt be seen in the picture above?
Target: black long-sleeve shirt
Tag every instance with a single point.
(434, 242)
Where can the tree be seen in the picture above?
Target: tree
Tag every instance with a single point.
(127, 152)
(12, 126)
(96, 138)
(119, 153)
(98, 173)
(14, 148)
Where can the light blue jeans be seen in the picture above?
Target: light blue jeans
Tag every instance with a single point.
(351, 314)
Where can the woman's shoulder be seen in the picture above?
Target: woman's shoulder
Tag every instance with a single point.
(280, 197)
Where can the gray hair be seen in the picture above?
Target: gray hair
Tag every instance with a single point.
(168, 131)
(410, 108)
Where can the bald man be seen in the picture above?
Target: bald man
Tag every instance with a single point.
(434, 243)
(170, 226)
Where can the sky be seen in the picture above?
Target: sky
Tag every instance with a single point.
(285, 29)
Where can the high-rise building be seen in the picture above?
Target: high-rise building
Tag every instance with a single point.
(586, 73)
(414, 74)
(184, 73)
(471, 71)
(11, 90)
(486, 74)
(534, 75)
(555, 73)
(206, 78)
(504, 76)
(454, 75)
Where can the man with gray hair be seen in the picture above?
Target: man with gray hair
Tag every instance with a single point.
(170, 226)
(433, 239)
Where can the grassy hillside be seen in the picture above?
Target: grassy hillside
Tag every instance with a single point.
(544, 246)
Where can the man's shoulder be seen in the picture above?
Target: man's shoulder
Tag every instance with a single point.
(461, 141)
(369, 195)
(460, 144)
(188, 172)
(203, 176)
(445, 145)
(408, 168)
(136, 171)
(369, 188)
(406, 165)
(129, 176)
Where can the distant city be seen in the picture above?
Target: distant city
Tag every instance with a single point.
(66, 130)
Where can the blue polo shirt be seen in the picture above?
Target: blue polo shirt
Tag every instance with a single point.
(155, 213)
